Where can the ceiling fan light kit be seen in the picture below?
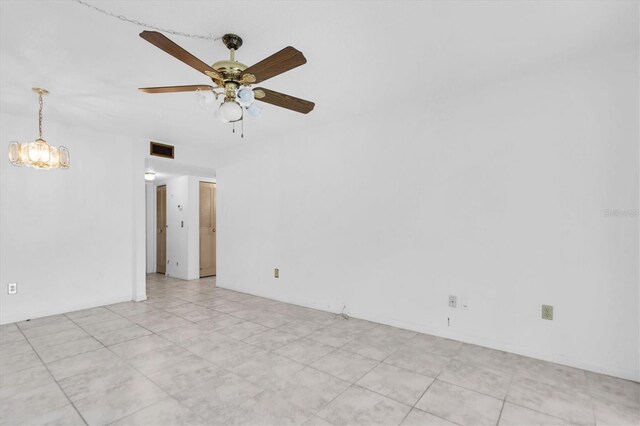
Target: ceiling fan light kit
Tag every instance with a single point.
(39, 154)
(234, 79)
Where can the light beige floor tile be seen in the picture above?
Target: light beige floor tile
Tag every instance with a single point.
(266, 369)
(266, 408)
(219, 322)
(243, 330)
(19, 362)
(515, 415)
(420, 418)
(19, 408)
(86, 312)
(477, 376)
(229, 307)
(103, 316)
(550, 373)
(122, 335)
(614, 390)
(53, 353)
(433, 344)
(272, 319)
(358, 406)
(162, 358)
(309, 389)
(97, 380)
(608, 413)
(14, 348)
(22, 381)
(345, 365)
(120, 401)
(78, 364)
(193, 312)
(48, 329)
(300, 327)
(64, 336)
(10, 334)
(304, 351)
(460, 405)
(371, 347)
(128, 309)
(61, 416)
(396, 383)
(317, 421)
(211, 302)
(212, 398)
(353, 324)
(44, 321)
(335, 337)
(135, 347)
(181, 377)
(181, 334)
(107, 326)
(571, 404)
(167, 412)
(271, 339)
(426, 363)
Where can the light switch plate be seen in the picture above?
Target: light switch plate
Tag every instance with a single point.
(276, 273)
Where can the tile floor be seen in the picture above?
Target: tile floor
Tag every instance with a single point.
(197, 354)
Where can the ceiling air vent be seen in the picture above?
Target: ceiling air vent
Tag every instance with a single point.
(161, 150)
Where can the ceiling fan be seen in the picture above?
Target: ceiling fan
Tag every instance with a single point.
(234, 78)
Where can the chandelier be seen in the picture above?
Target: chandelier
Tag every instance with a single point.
(39, 154)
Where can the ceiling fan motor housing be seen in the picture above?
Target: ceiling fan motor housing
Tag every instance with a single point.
(232, 41)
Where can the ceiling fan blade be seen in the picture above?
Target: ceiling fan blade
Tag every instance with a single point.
(175, 89)
(282, 100)
(162, 42)
(282, 61)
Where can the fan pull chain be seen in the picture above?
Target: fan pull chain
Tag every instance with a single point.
(242, 128)
(233, 127)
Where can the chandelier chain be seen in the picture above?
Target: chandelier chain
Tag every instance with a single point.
(149, 26)
(40, 116)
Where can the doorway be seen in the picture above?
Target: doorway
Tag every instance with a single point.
(207, 229)
(161, 229)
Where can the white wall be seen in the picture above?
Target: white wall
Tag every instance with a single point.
(71, 239)
(178, 227)
(150, 226)
(496, 195)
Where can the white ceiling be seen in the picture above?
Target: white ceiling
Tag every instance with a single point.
(362, 56)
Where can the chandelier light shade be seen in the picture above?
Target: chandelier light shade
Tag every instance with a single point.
(230, 110)
(39, 154)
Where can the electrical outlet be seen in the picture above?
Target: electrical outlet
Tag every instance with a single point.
(547, 312)
(276, 273)
(453, 301)
(12, 288)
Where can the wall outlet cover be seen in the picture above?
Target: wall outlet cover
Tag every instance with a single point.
(547, 312)
(453, 301)
(12, 288)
